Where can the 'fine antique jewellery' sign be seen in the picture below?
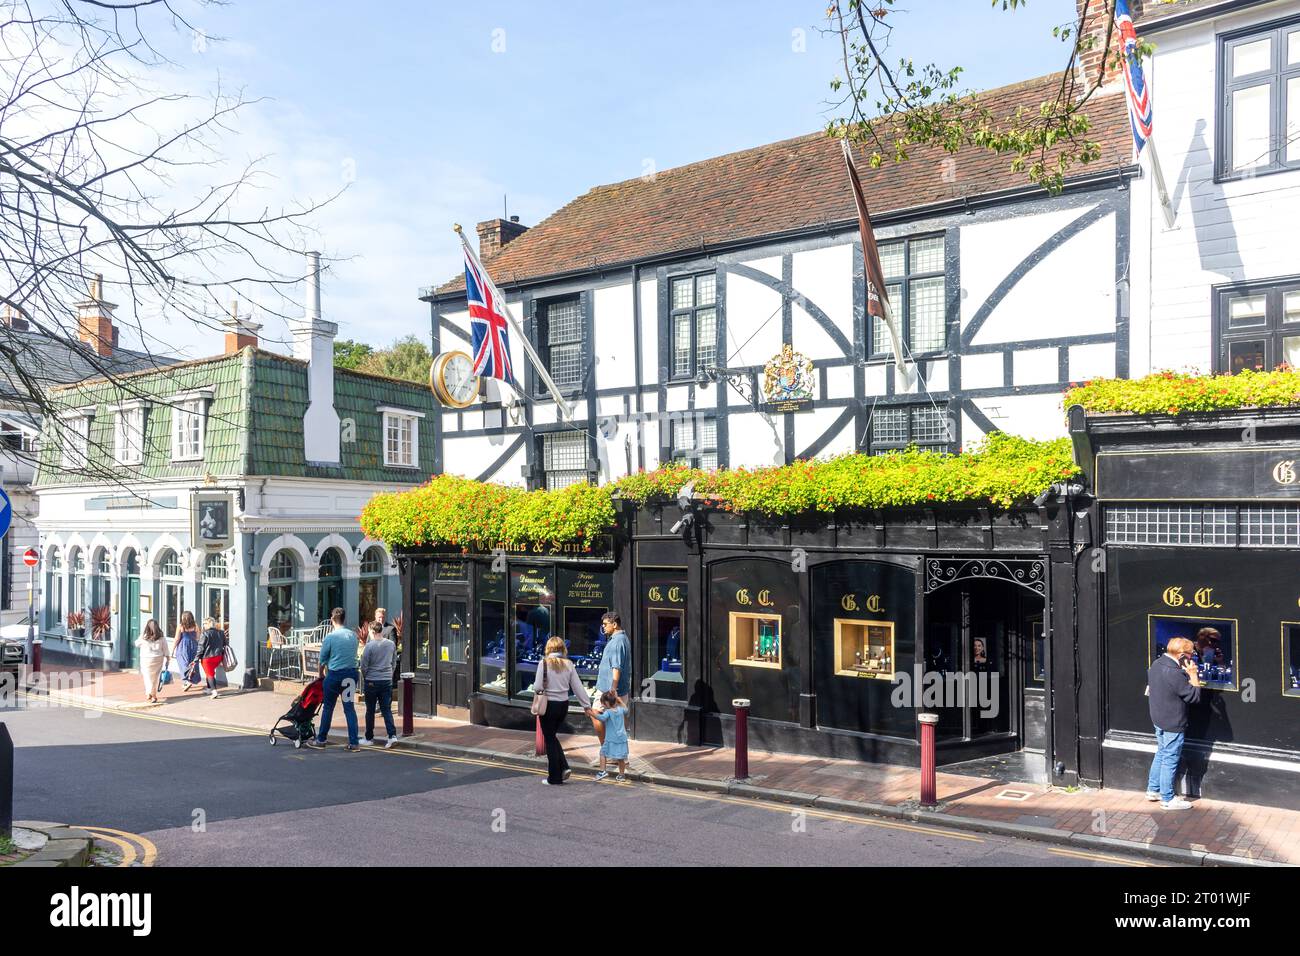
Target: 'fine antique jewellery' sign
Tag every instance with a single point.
(789, 382)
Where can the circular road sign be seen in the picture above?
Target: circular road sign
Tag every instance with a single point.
(6, 513)
(31, 558)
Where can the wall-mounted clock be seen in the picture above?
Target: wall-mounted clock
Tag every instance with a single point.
(452, 380)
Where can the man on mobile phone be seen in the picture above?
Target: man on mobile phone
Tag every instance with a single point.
(1172, 686)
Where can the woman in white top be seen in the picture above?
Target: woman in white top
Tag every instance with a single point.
(153, 655)
(558, 679)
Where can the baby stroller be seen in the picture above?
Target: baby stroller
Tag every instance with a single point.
(301, 715)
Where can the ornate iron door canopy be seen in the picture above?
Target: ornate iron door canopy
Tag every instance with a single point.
(1029, 573)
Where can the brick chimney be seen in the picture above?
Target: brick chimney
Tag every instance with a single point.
(15, 321)
(495, 233)
(95, 320)
(241, 330)
(1093, 23)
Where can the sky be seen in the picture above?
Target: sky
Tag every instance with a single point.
(431, 113)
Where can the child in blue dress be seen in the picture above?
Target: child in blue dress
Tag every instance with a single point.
(615, 745)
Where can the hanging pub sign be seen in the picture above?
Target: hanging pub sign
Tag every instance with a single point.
(789, 382)
(212, 521)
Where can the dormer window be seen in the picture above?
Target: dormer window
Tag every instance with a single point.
(401, 437)
(189, 425)
(128, 434)
(74, 438)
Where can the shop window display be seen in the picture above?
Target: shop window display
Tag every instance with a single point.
(663, 595)
(533, 591)
(755, 640)
(1215, 641)
(864, 649)
(1291, 658)
(584, 597)
(491, 588)
(422, 634)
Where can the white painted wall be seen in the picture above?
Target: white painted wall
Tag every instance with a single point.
(1224, 232)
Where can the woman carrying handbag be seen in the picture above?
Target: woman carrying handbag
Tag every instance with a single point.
(557, 679)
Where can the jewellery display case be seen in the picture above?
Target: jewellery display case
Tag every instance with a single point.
(1291, 658)
(755, 640)
(864, 648)
(662, 647)
(1215, 640)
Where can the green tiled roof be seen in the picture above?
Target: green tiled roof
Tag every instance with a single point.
(254, 425)
(280, 402)
(227, 420)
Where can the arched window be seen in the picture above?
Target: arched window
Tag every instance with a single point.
(54, 589)
(77, 565)
(372, 576)
(171, 590)
(100, 576)
(329, 590)
(216, 588)
(130, 595)
(280, 578)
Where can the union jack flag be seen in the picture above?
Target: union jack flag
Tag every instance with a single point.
(490, 335)
(1139, 94)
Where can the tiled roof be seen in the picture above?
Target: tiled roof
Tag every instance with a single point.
(227, 420)
(790, 185)
(254, 425)
(51, 361)
(279, 402)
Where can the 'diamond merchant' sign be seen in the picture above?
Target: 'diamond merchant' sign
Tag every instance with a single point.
(789, 382)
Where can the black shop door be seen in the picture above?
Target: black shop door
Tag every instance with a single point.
(453, 652)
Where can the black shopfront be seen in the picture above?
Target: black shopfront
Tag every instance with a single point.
(480, 623)
(834, 628)
(1199, 518)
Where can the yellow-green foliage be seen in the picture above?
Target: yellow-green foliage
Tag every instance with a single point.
(458, 511)
(1168, 393)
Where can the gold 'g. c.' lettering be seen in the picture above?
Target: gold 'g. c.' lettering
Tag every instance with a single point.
(1204, 597)
(742, 596)
(1173, 597)
(675, 594)
(656, 594)
(874, 605)
(1284, 472)
(849, 602)
(765, 598)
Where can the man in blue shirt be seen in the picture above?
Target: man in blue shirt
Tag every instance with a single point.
(338, 663)
(615, 668)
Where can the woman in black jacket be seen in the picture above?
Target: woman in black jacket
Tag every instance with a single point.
(212, 651)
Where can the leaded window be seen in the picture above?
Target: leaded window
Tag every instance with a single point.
(894, 427)
(916, 287)
(1204, 525)
(693, 321)
(695, 441)
(564, 459)
(560, 332)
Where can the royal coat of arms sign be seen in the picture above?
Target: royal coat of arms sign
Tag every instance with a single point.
(789, 383)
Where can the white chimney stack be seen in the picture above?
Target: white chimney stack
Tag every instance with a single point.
(313, 343)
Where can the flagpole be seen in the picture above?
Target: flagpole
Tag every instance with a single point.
(1158, 175)
(566, 410)
(871, 255)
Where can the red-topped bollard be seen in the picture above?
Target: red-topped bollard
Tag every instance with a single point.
(408, 703)
(928, 783)
(741, 704)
